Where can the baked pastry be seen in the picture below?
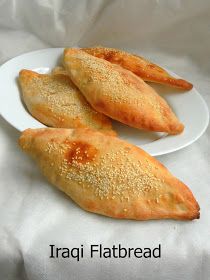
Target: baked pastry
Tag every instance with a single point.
(59, 70)
(143, 68)
(55, 101)
(108, 176)
(119, 94)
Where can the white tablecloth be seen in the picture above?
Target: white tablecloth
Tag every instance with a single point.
(34, 215)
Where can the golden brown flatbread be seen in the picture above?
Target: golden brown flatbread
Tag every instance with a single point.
(55, 101)
(143, 68)
(119, 94)
(108, 176)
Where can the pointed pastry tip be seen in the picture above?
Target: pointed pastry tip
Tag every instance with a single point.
(68, 51)
(26, 75)
(176, 128)
(184, 84)
(29, 134)
(177, 83)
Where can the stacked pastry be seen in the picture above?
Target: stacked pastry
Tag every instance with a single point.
(82, 156)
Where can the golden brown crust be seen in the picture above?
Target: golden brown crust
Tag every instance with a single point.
(143, 68)
(55, 101)
(59, 70)
(108, 176)
(119, 94)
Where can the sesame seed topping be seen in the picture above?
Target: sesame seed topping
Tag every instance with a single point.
(111, 173)
(64, 101)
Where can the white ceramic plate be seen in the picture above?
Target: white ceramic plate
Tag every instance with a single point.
(189, 106)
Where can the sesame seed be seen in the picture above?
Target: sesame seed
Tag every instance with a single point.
(67, 106)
